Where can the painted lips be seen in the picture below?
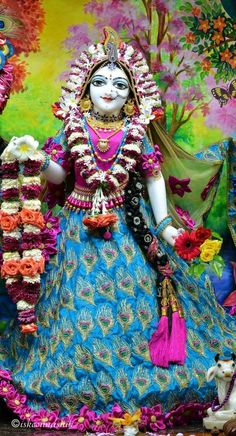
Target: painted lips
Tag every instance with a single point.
(108, 98)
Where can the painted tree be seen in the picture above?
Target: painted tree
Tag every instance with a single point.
(212, 34)
(169, 34)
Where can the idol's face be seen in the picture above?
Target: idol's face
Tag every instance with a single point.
(109, 90)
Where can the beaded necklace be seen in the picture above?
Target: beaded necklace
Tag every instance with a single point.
(215, 407)
(81, 149)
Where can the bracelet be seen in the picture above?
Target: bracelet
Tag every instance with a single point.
(46, 161)
(163, 224)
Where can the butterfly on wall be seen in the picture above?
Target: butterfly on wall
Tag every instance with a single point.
(223, 95)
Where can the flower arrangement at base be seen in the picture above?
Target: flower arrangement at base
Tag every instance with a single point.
(202, 251)
(23, 227)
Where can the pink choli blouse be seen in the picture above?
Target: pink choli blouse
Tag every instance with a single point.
(114, 142)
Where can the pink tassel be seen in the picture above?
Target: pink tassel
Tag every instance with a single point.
(178, 339)
(159, 344)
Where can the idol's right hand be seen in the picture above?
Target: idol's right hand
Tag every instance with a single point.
(21, 149)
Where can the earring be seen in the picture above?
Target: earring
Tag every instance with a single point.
(129, 109)
(85, 104)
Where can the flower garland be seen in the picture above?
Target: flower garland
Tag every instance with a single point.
(103, 182)
(82, 151)
(23, 227)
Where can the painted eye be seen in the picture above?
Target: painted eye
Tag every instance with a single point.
(219, 365)
(98, 82)
(120, 85)
(2, 24)
(233, 365)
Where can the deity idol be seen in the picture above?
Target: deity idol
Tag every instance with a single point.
(100, 347)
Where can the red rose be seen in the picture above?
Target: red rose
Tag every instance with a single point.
(202, 234)
(187, 245)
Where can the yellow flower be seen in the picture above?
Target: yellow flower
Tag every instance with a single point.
(207, 255)
(128, 419)
(211, 245)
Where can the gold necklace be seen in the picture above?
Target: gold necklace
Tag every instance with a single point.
(103, 143)
(105, 125)
(108, 159)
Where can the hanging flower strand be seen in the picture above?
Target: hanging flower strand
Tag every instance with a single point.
(22, 224)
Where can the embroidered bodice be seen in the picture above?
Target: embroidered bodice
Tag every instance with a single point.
(114, 143)
(82, 195)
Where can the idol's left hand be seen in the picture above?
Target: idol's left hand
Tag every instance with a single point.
(170, 234)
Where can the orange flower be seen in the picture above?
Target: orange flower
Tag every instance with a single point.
(39, 220)
(226, 55)
(10, 268)
(206, 64)
(28, 267)
(190, 37)
(28, 328)
(35, 218)
(27, 216)
(204, 25)
(232, 62)
(196, 11)
(217, 37)
(41, 265)
(8, 222)
(158, 113)
(98, 221)
(219, 23)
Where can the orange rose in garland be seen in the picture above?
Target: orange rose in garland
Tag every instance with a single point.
(10, 268)
(35, 218)
(30, 267)
(8, 222)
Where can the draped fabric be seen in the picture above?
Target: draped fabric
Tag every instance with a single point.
(203, 171)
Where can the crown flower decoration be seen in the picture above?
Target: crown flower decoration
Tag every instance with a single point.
(112, 50)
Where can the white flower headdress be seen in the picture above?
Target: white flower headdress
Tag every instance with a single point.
(111, 50)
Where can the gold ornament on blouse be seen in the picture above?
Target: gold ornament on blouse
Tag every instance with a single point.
(103, 144)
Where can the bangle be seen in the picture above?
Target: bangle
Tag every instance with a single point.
(45, 162)
(163, 224)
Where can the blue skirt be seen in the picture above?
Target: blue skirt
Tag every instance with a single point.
(96, 314)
